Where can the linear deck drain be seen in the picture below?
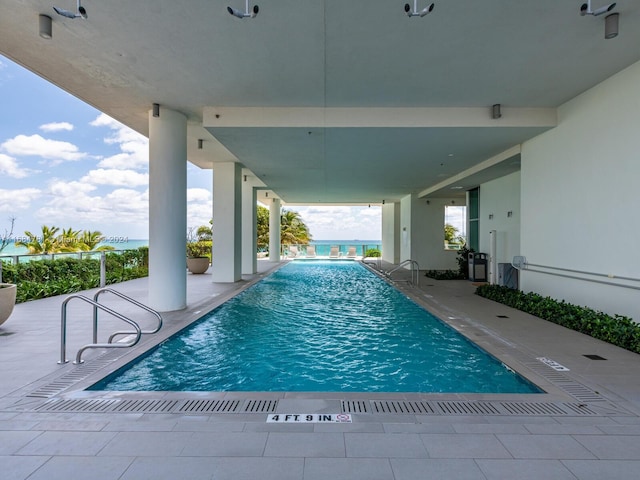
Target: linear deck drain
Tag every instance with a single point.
(260, 406)
(467, 408)
(145, 406)
(209, 406)
(79, 373)
(355, 406)
(394, 406)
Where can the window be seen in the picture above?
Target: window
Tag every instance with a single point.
(455, 227)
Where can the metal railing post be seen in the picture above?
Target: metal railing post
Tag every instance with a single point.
(103, 269)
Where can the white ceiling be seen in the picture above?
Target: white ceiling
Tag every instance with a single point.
(308, 58)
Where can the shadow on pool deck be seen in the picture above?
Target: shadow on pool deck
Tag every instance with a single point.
(586, 427)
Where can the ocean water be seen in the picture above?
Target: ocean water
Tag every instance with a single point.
(119, 243)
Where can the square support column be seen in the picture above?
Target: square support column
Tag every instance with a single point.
(274, 230)
(227, 222)
(249, 228)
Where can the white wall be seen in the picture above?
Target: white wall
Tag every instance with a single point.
(422, 232)
(580, 202)
(497, 198)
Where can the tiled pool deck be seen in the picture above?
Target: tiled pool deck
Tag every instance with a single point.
(586, 427)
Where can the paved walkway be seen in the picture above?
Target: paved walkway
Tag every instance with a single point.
(586, 427)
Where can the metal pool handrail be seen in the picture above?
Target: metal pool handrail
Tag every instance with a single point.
(96, 305)
(415, 268)
(130, 300)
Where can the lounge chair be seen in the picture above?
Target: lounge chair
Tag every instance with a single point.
(311, 251)
(293, 251)
(335, 252)
(351, 253)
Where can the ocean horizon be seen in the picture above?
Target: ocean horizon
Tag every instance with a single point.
(132, 244)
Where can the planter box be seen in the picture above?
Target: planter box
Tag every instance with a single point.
(7, 300)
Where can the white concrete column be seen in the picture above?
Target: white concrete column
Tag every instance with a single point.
(391, 232)
(274, 230)
(167, 210)
(249, 228)
(226, 265)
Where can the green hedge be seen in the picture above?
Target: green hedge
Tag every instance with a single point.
(618, 330)
(445, 275)
(46, 278)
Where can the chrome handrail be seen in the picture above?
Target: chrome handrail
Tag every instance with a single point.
(413, 264)
(130, 300)
(96, 305)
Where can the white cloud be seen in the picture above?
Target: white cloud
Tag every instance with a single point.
(9, 167)
(56, 127)
(342, 222)
(35, 145)
(18, 199)
(123, 178)
(134, 147)
(199, 207)
(198, 195)
(72, 203)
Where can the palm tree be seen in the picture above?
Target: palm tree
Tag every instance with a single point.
(69, 240)
(90, 240)
(293, 230)
(41, 244)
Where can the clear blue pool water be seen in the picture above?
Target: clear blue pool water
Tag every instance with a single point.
(319, 326)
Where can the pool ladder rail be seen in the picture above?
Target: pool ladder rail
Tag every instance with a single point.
(97, 306)
(415, 272)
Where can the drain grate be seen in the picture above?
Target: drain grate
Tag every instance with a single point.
(531, 408)
(392, 406)
(80, 405)
(355, 406)
(79, 373)
(145, 406)
(209, 406)
(403, 407)
(260, 406)
(467, 408)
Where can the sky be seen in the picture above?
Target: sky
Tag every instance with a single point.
(64, 163)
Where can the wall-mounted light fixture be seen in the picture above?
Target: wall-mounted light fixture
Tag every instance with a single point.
(611, 26)
(45, 27)
(491, 216)
(266, 194)
(200, 143)
(244, 178)
(428, 202)
(156, 110)
(509, 214)
(496, 111)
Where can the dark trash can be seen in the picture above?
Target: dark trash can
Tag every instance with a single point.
(478, 267)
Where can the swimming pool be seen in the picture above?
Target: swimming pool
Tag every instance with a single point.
(319, 326)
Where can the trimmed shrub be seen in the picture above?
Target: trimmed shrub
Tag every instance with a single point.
(46, 278)
(617, 329)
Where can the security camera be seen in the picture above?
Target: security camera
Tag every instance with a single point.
(585, 9)
(246, 14)
(429, 9)
(605, 9)
(235, 13)
(81, 12)
(415, 12)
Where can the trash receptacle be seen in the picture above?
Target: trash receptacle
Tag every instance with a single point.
(478, 267)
